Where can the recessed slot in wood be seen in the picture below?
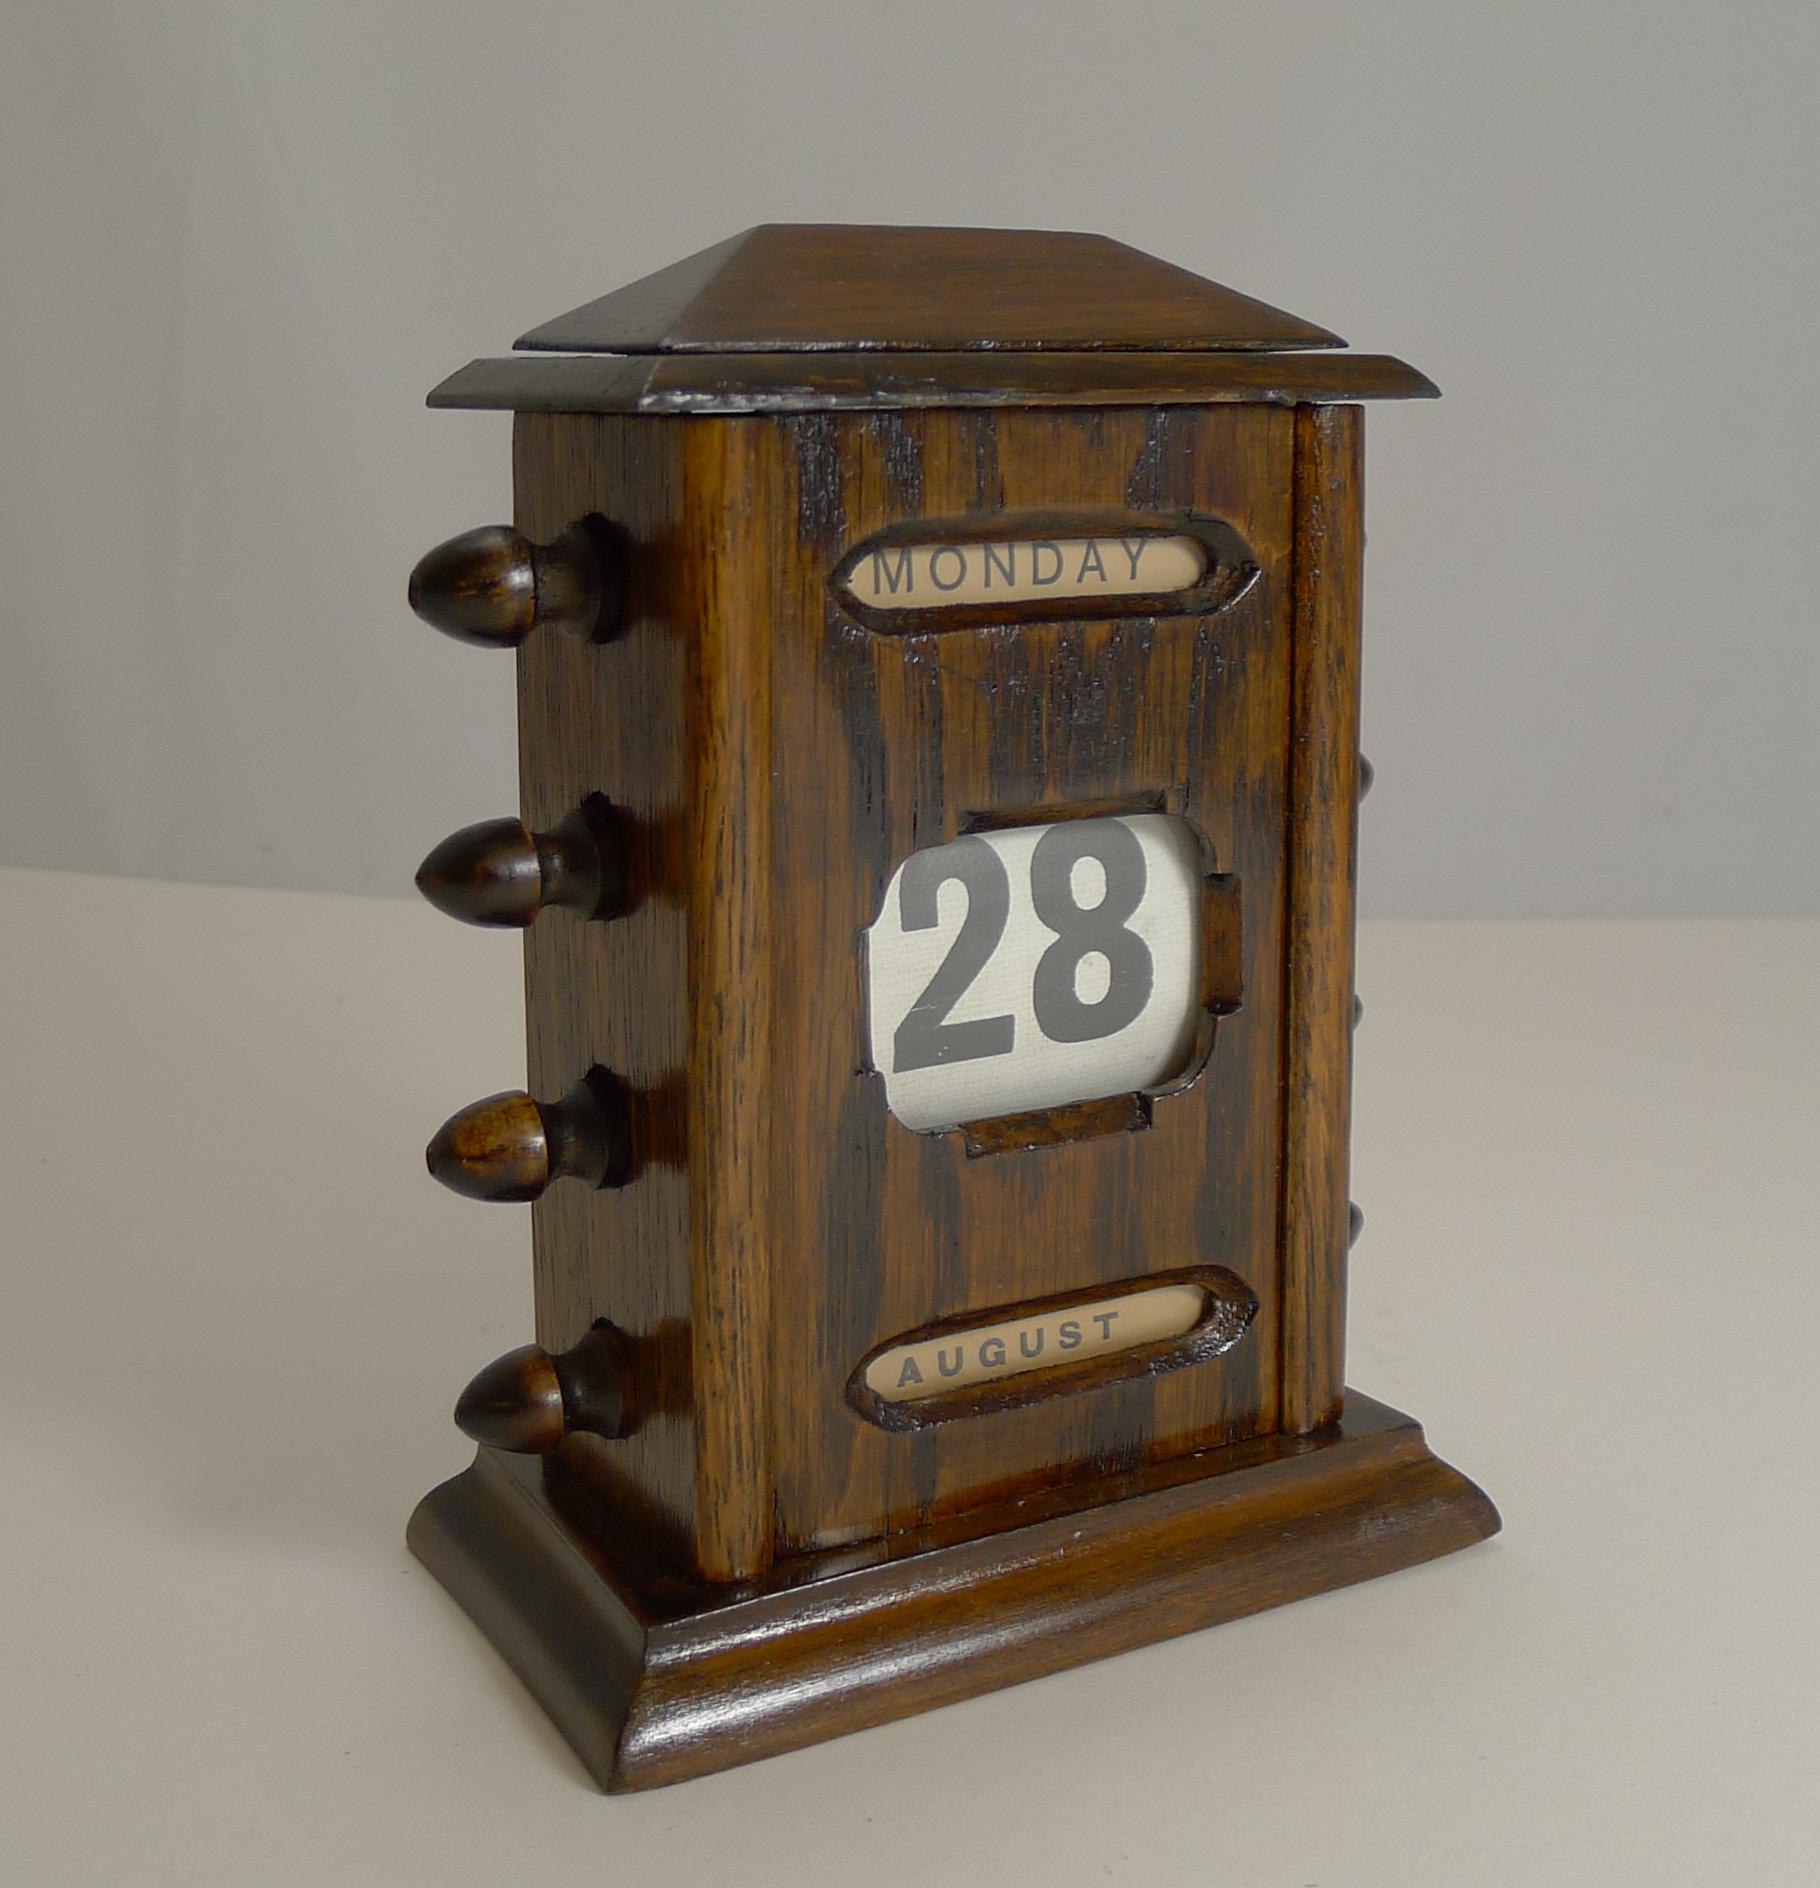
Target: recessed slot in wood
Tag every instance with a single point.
(1036, 567)
(1016, 1354)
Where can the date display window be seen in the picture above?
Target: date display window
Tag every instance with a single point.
(1034, 966)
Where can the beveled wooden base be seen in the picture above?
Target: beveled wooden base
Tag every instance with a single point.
(653, 1682)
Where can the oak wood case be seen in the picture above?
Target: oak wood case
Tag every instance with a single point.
(774, 761)
(741, 1559)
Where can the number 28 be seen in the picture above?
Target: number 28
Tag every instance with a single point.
(926, 1039)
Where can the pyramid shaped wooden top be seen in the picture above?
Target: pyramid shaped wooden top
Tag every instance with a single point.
(802, 317)
(789, 287)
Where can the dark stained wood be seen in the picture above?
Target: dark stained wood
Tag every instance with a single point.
(497, 1148)
(1054, 1127)
(773, 766)
(653, 1680)
(641, 316)
(1223, 945)
(675, 719)
(493, 586)
(733, 1085)
(515, 1403)
(710, 384)
(1324, 743)
(509, 1147)
(490, 873)
(527, 1401)
(725, 1549)
(829, 286)
(615, 719)
(500, 873)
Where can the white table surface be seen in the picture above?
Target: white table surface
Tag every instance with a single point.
(236, 1313)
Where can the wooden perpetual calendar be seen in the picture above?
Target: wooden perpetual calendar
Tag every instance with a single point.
(938, 698)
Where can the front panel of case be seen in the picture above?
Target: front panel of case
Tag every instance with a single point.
(1027, 840)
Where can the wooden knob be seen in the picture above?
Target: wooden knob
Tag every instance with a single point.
(529, 1399)
(510, 1147)
(494, 586)
(501, 873)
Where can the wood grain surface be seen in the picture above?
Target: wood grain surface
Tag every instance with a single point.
(774, 761)
(654, 1681)
(696, 384)
(821, 287)
(1317, 1077)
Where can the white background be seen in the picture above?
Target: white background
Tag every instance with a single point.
(240, 241)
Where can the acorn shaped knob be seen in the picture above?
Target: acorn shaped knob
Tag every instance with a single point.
(510, 1147)
(529, 1399)
(501, 873)
(493, 586)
